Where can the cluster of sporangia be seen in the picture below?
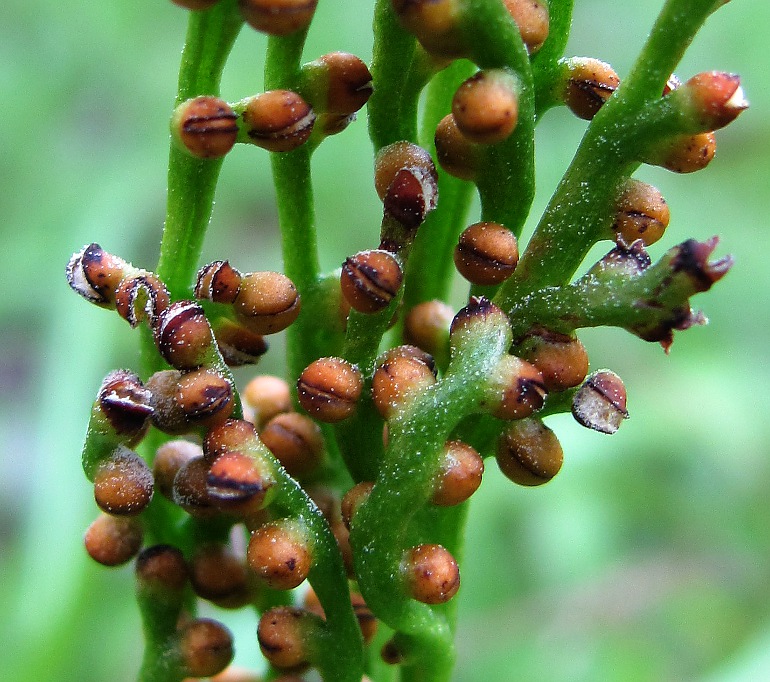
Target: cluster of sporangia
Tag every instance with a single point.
(229, 466)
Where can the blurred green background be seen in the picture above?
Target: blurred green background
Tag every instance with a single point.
(645, 559)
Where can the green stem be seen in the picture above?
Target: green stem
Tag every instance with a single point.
(380, 530)
(560, 22)
(294, 194)
(430, 269)
(506, 180)
(191, 186)
(673, 31)
(191, 181)
(296, 211)
(296, 215)
(339, 653)
(580, 209)
(649, 304)
(393, 52)
(545, 64)
(160, 607)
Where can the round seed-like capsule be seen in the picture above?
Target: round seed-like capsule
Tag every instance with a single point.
(411, 352)
(480, 312)
(231, 435)
(95, 274)
(168, 415)
(278, 17)
(279, 554)
(205, 396)
(435, 23)
(460, 475)
(529, 453)
(485, 107)
(205, 647)
(411, 196)
(353, 499)
(685, 154)
(641, 213)
(329, 389)
(127, 404)
(716, 98)
(161, 569)
(140, 298)
(239, 346)
(456, 154)
(590, 83)
(123, 484)
(340, 81)
(531, 16)
(561, 359)
(183, 335)
(431, 574)
(487, 253)
(282, 636)
(169, 459)
(218, 281)
(113, 540)
(296, 441)
(267, 302)
(395, 157)
(218, 575)
(236, 483)
(600, 404)
(267, 396)
(398, 376)
(516, 389)
(370, 280)
(205, 127)
(427, 326)
(278, 120)
(190, 490)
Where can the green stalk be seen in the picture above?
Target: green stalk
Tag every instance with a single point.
(560, 22)
(545, 64)
(430, 270)
(380, 530)
(191, 187)
(581, 207)
(674, 29)
(394, 50)
(192, 181)
(339, 651)
(296, 215)
(649, 304)
(506, 179)
(296, 212)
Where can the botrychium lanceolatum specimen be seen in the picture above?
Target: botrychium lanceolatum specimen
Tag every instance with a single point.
(351, 473)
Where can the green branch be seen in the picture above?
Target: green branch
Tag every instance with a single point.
(417, 434)
(581, 208)
(192, 181)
